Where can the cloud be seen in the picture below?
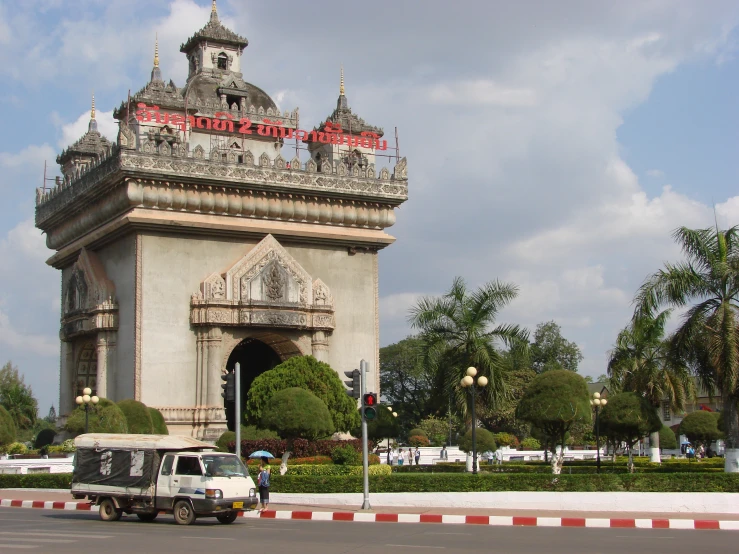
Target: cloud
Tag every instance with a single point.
(655, 173)
(480, 93)
(72, 132)
(30, 155)
(42, 345)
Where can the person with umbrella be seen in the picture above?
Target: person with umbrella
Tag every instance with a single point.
(263, 481)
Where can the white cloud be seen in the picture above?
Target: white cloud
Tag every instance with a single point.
(72, 132)
(30, 155)
(42, 345)
(655, 173)
(480, 93)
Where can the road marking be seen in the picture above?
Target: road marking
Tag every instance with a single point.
(20, 539)
(210, 538)
(445, 533)
(417, 546)
(34, 532)
(18, 546)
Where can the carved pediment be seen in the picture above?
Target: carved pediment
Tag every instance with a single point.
(89, 286)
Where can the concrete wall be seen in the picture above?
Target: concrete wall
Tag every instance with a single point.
(119, 260)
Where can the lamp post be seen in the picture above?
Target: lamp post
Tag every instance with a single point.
(597, 402)
(468, 382)
(86, 399)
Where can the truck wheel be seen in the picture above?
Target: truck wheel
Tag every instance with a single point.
(230, 517)
(149, 516)
(108, 511)
(183, 512)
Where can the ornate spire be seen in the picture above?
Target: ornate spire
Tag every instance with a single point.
(156, 73)
(342, 103)
(214, 12)
(93, 126)
(341, 87)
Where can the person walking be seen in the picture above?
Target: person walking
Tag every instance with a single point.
(389, 456)
(444, 455)
(265, 471)
(418, 455)
(410, 457)
(400, 457)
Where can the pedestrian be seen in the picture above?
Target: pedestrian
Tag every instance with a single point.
(418, 455)
(410, 457)
(499, 457)
(400, 457)
(701, 452)
(389, 456)
(265, 471)
(444, 454)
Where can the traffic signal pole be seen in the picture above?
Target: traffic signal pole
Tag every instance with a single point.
(365, 454)
(237, 408)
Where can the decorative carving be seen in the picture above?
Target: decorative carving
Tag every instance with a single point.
(214, 287)
(198, 153)
(126, 137)
(401, 169)
(274, 284)
(264, 160)
(321, 294)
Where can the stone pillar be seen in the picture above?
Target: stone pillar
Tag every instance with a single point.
(101, 387)
(319, 345)
(215, 357)
(66, 379)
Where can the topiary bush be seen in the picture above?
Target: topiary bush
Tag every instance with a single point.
(418, 440)
(530, 443)
(700, 427)
(137, 417)
(484, 439)
(298, 413)
(17, 448)
(105, 417)
(346, 455)
(44, 438)
(7, 428)
(157, 421)
(667, 439)
(417, 432)
(506, 439)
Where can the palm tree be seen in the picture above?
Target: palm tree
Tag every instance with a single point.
(457, 332)
(708, 282)
(642, 362)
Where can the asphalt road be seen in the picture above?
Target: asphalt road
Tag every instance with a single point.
(79, 532)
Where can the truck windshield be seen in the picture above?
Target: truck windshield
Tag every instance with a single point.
(224, 465)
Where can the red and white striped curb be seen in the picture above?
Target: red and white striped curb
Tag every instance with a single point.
(502, 521)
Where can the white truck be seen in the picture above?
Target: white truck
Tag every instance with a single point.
(149, 474)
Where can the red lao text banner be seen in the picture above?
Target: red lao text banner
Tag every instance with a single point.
(226, 123)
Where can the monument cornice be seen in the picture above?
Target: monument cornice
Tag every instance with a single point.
(234, 313)
(337, 181)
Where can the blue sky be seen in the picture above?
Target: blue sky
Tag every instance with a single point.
(551, 145)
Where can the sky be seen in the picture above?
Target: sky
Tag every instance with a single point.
(552, 145)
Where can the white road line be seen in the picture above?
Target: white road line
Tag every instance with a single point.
(35, 532)
(417, 546)
(209, 538)
(17, 546)
(21, 539)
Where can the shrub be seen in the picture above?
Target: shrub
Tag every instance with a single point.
(226, 442)
(301, 448)
(67, 446)
(667, 439)
(484, 438)
(374, 459)
(158, 423)
(44, 438)
(137, 416)
(17, 448)
(418, 440)
(105, 417)
(346, 455)
(298, 413)
(530, 443)
(700, 427)
(7, 427)
(506, 439)
(417, 432)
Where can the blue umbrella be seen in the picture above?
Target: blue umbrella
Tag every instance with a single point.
(261, 454)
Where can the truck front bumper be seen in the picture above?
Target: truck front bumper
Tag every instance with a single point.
(212, 506)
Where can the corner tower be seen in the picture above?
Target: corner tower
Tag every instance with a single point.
(193, 243)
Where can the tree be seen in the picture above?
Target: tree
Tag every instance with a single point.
(503, 416)
(708, 282)
(458, 331)
(700, 427)
(437, 430)
(667, 438)
(627, 418)
(7, 427)
(550, 350)
(105, 417)
(483, 437)
(17, 397)
(384, 426)
(297, 413)
(406, 382)
(643, 362)
(307, 373)
(158, 423)
(554, 402)
(137, 415)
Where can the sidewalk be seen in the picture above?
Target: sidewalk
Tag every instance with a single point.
(55, 499)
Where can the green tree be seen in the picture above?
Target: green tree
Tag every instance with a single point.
(667, 438)
(708, 283)
(17, 397)
(555, 401)
(137, 415)
(437, 430)
(384, 426)
(7, 428)
(297, 413)
(458, 331)
(105, 417)
(406, 382)
(700, 427)
(307, 373)
(484, 439)
(627, 418)
(643, 362)
(157, 421)
(550, 350)
(503, 416)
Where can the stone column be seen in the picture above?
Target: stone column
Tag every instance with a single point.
(215, 357)
(319, 345)
(66, 379)
(101, 388)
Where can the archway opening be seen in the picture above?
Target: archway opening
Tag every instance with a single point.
(254, 358)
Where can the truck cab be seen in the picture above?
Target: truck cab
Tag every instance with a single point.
(150, 474)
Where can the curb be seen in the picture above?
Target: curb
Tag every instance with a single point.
(498, 521)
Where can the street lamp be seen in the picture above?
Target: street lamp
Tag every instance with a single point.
(468, 382)
(86, 399)
(597, 402)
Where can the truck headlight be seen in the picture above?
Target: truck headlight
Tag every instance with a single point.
(213, 493)
(252, 492)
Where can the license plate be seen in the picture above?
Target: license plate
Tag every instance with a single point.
(238, 505)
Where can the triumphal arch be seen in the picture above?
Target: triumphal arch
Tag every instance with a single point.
(215, 230)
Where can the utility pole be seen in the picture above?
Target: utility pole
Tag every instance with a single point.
(237, 408)
(365, 455)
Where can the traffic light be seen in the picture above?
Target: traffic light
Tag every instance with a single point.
(370, 413)
(229, 388)
(354, 384)
(370, 399)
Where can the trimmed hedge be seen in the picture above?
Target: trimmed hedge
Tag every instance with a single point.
(326, 469)
(157, 421)
(668, 482)
(566, 469)
(301, 448)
